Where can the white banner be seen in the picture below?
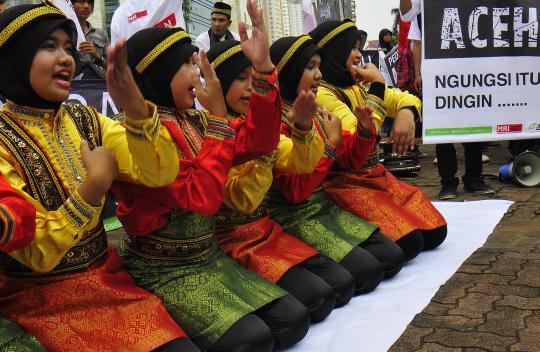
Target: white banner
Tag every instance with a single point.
(134, 15)
(67, 8)
(480, 70)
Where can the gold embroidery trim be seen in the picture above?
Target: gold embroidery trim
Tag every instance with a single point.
(335, 32)
(226, 55)
(223, 11)
(159, 49)
(285, 59)
(24, 19)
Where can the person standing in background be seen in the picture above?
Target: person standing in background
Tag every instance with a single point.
(93, 51)
(220, 22)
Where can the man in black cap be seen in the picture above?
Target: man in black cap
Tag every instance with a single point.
(3, 5)
(221, 21)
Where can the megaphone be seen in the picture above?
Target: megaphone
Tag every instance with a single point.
(525, 170)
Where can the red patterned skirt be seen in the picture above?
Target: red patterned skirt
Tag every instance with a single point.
(100, 309)
(263, 247)
(377, 196)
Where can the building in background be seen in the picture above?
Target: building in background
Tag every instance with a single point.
(295, 19)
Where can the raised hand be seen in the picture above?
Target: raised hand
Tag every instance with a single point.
(210, 97)
(101, 170)
(256, 47)
(122, 86)
(303, 110)
(402, 135)
(364, 116)
(332, 126)
(368, 73)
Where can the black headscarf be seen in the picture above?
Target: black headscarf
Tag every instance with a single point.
(18, 51)
(386, 47)
(337, 47)
(173, 49)
(290, 55)
(230, 62)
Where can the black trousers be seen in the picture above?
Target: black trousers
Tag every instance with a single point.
(183, 344)
(447, 162)
(334, 274)
(366, 270)
(420, 240)
(312, 291)
(387, 252)
(279, 324)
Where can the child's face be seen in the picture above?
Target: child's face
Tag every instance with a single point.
(53, 67)
(240, 92)
(355, 56)
(312, 76)
(182, 87)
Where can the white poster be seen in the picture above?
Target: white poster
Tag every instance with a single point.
(480, 70)
(134, 15)
(67, 8)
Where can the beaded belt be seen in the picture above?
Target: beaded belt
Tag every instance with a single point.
(90, 249)
(160, 248)
(227, 217)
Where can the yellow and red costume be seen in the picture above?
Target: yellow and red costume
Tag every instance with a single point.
(372, 192)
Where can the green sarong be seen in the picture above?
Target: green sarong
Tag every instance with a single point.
(203, 289)
(320, 223)
(14, 339)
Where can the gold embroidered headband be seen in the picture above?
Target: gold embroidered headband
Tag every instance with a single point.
(341, 28)
(226, 55)
(26, 18)
(290, 52)
(159, 49)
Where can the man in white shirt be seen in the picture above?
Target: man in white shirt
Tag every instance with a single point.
(220, 21)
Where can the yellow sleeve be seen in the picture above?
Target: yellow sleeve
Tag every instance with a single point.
(56, 231)
(248, 183)
(300, 153)
(395, 100)
(144, 150)
(328, 100)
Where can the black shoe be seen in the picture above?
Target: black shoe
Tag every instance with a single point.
(448, 191)
(478, 186)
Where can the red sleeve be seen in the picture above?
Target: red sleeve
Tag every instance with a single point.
(258, 134)
(299, 188)
(355, 149)
(198, 188)
(17, 219)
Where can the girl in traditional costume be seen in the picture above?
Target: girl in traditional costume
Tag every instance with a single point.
(245, 230)
(65, 286)
(401, 211)
(171, 247)
(299, 203)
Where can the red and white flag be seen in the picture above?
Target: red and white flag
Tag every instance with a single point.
(134, 15)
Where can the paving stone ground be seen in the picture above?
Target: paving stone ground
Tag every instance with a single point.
(492, 303)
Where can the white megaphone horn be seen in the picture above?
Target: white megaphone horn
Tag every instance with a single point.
(525, 170)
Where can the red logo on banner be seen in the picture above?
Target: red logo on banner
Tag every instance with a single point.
(137, 15)
(167, 22)
(511, 128)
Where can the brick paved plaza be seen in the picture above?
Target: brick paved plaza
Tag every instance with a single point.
(492, 303)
